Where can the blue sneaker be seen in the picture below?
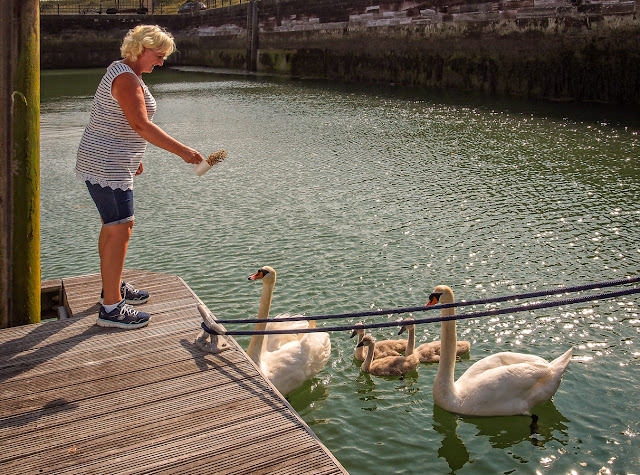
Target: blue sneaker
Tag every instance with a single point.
(130, 293)
(123, 316)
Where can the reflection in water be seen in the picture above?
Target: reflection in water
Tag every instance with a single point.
(501, 432)
(408, 384)
(452, 449)
(309, 396)
(365, 388)
(350, 180)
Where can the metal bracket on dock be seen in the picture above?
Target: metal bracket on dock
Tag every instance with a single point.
(210, 338)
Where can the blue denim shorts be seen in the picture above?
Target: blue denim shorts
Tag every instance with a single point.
(114, 206)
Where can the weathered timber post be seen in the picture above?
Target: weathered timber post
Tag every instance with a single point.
(252, 35)
(19, 163)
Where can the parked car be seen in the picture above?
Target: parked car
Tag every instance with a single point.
(192, 7)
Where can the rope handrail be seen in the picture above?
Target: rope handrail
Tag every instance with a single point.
(485, 313)
(423, 308)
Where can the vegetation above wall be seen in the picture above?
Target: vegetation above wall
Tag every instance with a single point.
(545, 49)
(157, 7)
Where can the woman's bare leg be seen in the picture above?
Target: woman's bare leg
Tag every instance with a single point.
(112, 246)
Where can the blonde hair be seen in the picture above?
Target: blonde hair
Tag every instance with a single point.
(146, 36)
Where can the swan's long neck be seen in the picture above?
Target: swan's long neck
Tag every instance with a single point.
(359, 351)
(411, 340)
(367, 361)
(444, 381)
(257, 341)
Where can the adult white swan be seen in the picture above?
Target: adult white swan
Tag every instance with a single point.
(290, 361)
(502, 384)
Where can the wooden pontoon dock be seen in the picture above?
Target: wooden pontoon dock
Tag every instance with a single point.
(78, 398)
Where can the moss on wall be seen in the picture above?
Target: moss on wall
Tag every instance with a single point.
(582, 55)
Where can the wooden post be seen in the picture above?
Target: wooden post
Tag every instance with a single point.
(252, 35)
(19, 163)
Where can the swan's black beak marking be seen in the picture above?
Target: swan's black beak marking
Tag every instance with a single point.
(434, 298)
(402, 329)
(353, 333)
(361, 344)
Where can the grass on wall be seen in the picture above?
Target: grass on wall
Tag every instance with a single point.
(165, 7)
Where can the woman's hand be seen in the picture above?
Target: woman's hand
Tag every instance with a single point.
(191, 155)
(140, 169)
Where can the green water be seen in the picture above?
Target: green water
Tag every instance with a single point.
(365, 198)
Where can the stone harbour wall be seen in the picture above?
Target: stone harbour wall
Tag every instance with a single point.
(575, 50)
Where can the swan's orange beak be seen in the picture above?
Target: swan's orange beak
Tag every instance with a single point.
(433, 299)
(257, 275)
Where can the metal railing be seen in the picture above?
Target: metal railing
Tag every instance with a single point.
(128, 7)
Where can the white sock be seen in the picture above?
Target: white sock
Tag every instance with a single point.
(109, 308)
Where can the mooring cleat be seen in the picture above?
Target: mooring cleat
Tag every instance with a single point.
(210, 339)
(209, 323)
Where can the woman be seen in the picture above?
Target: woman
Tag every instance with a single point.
(110, 154)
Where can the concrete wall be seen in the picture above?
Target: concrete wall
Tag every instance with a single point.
(560, 49)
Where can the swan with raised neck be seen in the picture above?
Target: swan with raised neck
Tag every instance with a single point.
(288, 360)
(501, 384)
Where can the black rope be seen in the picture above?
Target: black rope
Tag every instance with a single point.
(486, 313)
(423, 308)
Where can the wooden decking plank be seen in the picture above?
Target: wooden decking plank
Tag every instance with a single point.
(87, 353)
(132, 453)
(100, 373)
(67, 332)
(89, 308)
(229, 458)
(282, 451)
(161, 312)
(21, 339)
(81, 286)
(162, 430)
(142, 378)
(314, 462)
(175, 393)
(83, 294)
(90, 424)
(61, 354)
(311, 460)
(75, 331)
(51, 285)
(270, 446)
(83, 399)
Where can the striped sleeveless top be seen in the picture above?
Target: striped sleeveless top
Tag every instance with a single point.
(110, 150)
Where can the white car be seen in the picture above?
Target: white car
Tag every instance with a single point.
(192, 7)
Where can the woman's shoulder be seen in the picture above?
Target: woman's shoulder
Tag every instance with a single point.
(119, 66)
(116, 68)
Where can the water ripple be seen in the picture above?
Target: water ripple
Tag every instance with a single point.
(366, 199)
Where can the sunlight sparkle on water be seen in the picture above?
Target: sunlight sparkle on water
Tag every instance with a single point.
(546, 461)
(521, 201)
